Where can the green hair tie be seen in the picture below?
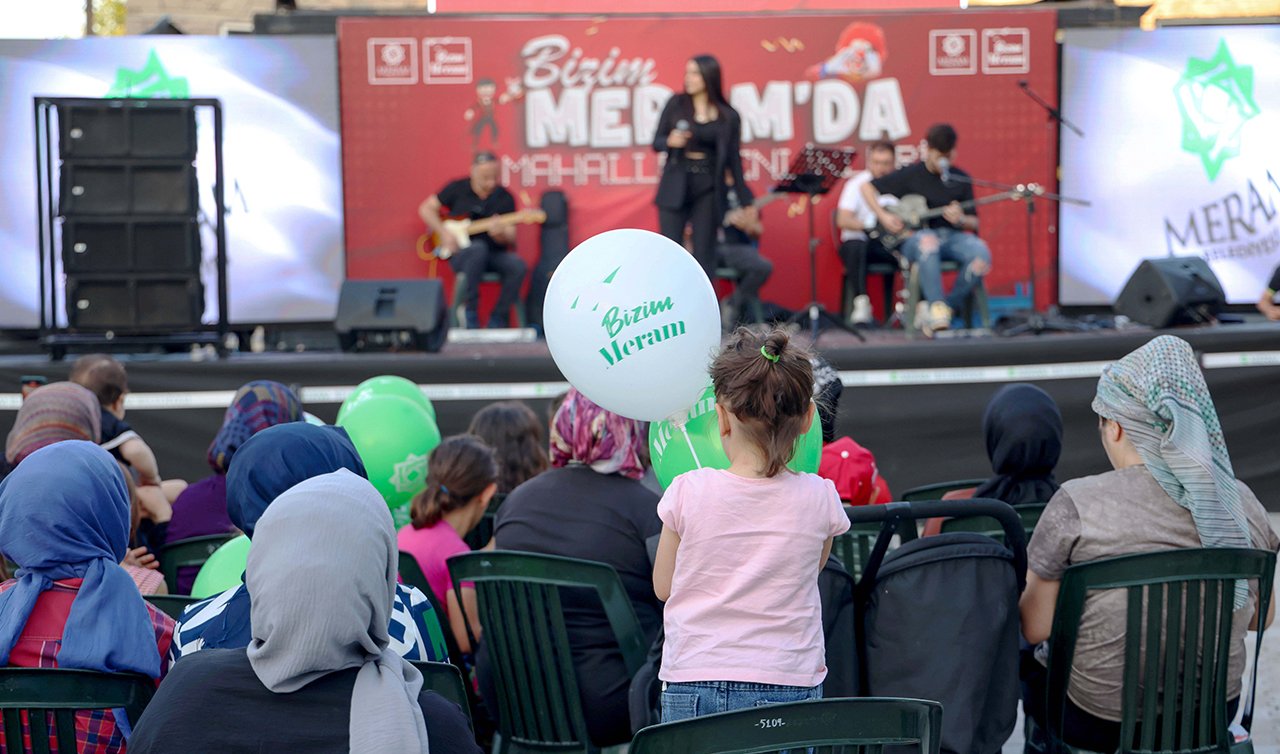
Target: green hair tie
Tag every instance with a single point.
(768, 355)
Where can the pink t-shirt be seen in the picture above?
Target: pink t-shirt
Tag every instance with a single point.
(431, 547)
(744, 600)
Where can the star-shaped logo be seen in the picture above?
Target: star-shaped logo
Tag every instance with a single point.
(152, 80)
(410, 474)
(1215, 98)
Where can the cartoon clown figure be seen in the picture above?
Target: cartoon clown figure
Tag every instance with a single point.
(481, 114)
(860, 54)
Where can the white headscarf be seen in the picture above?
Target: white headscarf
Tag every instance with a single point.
(322, 577)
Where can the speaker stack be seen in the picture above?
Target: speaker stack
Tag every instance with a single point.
(128, 201)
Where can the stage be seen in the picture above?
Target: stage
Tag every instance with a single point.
(916, 404)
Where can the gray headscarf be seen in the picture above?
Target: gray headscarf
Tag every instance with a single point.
(322, 575)
(1159, 396)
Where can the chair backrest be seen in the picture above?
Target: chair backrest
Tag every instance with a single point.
(936, 491)
(1029, 513)
(539, 706)
(446, 680)
(191, 552)
(852, 725)
(1179, 610)
(51, 697)
(411, 573)
(171, 605)
(854, 546)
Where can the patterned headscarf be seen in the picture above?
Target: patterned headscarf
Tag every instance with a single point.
(582, 432)
(53, 413)
(257, 405)
(1159, 397)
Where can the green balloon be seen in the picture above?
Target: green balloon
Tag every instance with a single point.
(223, 569)
(696, 445)
(394, 436)
(387, 384)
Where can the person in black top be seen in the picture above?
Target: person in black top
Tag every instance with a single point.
(701, 133)
(476, 197)
(1267, 304)
(947, 237)
(739, 250)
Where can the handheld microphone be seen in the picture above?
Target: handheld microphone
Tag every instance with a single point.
(944, 168)
(681, 125)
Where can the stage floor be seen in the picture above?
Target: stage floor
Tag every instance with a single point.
(916, 404)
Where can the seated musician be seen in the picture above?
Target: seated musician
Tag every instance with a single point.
(739, 250)
(855, 217)
(476, 197)
(948, 237)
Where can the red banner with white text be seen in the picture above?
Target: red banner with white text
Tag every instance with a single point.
(571, 104)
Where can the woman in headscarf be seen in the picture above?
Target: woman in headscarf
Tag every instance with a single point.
(319, 674)
(590, 505)
(268, 464)
(201, 509)
(53, 413)
(64, 519)
(1172, 487)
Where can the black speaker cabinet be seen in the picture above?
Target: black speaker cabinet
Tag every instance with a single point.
(123, 129)
(131, 245)
(136, 303)
(392, 314)
(1171, 291)
(128, 188)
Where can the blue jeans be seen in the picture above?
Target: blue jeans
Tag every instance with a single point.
(929, 247)
(682, 701)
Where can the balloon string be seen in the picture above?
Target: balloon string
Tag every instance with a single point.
(688, 441)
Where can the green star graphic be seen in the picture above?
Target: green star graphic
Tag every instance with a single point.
(1215, 98)
(151, 81)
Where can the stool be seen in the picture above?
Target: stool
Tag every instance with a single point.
(458, 309)
(887, 272)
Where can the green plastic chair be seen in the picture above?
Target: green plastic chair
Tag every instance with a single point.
(412, 575)
(854, 546)
(189, 553)
(1179, 606)
(857, 726)
(446, 680)
(171, 605)
(519, 604)
(936, 491)
(51, 697)
(1029, 513)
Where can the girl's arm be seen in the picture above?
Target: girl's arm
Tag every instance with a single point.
(664, 564)
(826, 553)
(456, 623)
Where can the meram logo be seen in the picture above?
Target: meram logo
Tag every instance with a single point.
(618, 318)
(1215, 99)
(152, 80)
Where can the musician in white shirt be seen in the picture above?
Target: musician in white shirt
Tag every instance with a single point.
(855, 217)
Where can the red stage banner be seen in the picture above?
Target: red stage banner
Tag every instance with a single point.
(571, 104)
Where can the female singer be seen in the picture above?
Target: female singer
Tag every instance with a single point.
(700, 132)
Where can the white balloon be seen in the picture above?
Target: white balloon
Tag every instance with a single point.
(632, 321)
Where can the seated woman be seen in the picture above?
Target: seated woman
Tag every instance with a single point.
(1023, 427)
(591, 506)
(513, 431)
(1172, 487)
(53, 413)
(64, 519)
(269, 463)
(201, 509)
(462, 477)
(319, 674)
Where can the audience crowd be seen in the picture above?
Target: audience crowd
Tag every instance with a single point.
(316, 648)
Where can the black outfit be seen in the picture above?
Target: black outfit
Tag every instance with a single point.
(115, 432)
(857, 253)
(916, 179)
(695, 191)
(212, 701)
(1274, 284)
(578, 513)
(484, 254)
(742, 254)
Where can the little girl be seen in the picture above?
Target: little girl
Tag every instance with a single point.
(462, 476)
(741, 548)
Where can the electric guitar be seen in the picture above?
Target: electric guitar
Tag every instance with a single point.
(759, 204)
(463, 229)
(914, 212)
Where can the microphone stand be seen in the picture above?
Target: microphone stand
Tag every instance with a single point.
(1054, 113)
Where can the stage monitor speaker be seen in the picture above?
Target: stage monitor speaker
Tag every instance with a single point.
(128, 245)
(124, 129)
(134, 303)
(128, 188)
(1171, 291)
(392, 314)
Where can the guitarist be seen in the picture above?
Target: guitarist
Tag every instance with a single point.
(855, 217)
(948, 237)
(738, 248)
(477, 197)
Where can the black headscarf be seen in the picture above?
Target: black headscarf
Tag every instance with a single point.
(1024, 440)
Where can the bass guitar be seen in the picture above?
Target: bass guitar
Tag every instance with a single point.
(463, 229)
(914, 211)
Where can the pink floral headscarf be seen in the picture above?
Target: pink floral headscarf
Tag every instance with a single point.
(582, 432)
